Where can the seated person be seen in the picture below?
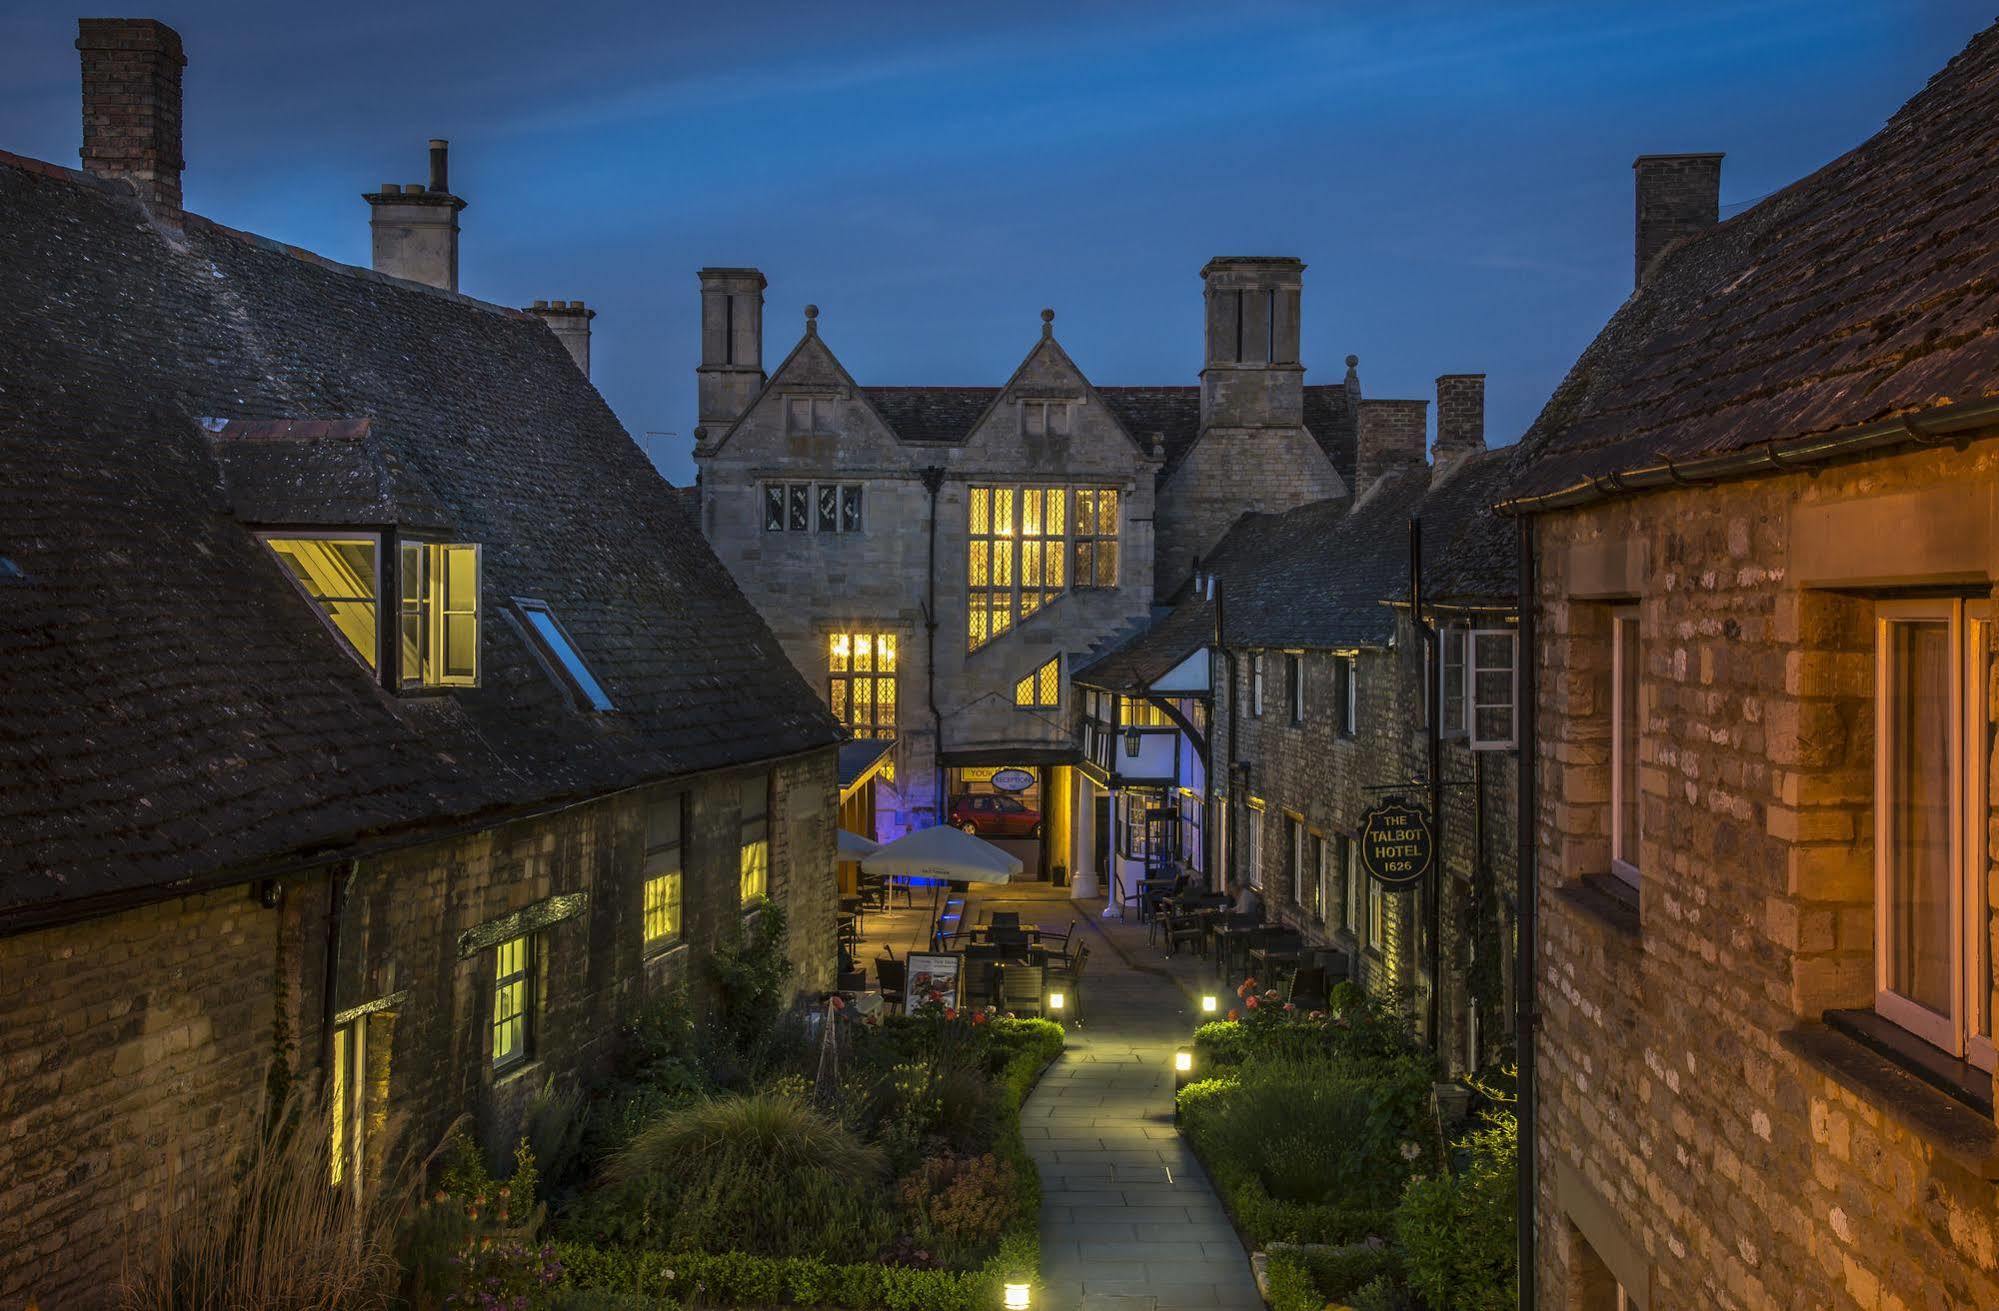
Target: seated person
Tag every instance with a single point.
(1248, 901)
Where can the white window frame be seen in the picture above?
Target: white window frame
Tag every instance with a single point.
(1256, 685)
(1454, 653)
(1624, 864)
(1958, 1033)
(1472, 703)
(1254, 843)
(1351, 874)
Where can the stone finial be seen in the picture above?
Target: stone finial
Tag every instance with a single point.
(811, 320)
(1352, 389)
(1048, 323)
(1159, 446)
(1353, 362)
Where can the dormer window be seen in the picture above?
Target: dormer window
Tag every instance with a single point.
(810, 416)
(1044, 418)
(439, 614)
(437, 589)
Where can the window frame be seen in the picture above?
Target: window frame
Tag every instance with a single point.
(664, 860)
(523, 1015)
(1349, 670)
(1294, 676)
(1048, 408)
(874, 677)
(1035, 684)
(746, 895)
(1968, 627)
(1294, 854)
(1377, 915)
(1256, 684)
(581, 680)
(1625, 864)
(844, 491)
(1253, 843)
(1317, 841)
(1472, 670)
(371, 660)
(1453, 702)
(816, 404)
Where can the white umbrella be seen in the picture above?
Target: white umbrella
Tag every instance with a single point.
(944, 852)
(853, 846)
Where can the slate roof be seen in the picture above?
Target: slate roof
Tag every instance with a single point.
(931, 414)
(1154, 651)
(860, 756)
(1866, 291)
(174, 712)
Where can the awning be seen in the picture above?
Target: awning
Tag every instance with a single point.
(852, 846)
(943, 852)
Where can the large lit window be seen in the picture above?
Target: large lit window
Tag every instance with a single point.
(1025, 546)
(662, 871)
(348, 1124)
(513, 1001)
(561, 652)
(812, 508)
(861, 682)
(1932, 742)
(339, 575)
(1042, 689)
(439, 614)
(1627, 721)
(755, 841)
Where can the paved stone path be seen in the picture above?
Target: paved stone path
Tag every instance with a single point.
(1128, 1220)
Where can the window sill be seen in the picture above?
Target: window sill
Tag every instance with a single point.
(1608, 900)
(514, 1073)
(1948, 1075)
(659, 953)
(1945, 1123)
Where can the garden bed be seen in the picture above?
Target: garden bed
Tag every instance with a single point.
(1319, 1133)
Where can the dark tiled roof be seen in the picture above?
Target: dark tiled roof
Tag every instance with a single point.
(1867, 290)
(858, 757)
(931, 414)
(173, 709)
(1175, 414)
(1470, 555)
(1154, 651)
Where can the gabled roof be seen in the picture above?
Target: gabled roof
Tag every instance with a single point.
(1175, 414)
(1866, 291)
(1154, 651)
(175, 713)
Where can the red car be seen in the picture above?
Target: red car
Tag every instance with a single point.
(996, 817)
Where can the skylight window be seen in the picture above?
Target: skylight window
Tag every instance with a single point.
(557, 647)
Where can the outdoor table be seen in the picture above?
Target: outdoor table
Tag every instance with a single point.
(1271, 961)
(1227, 938)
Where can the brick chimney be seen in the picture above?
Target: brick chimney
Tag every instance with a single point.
(569, 320)
(131, 107)
(1460, 419)
(1252, 377)
(1678, 195)
(1391, 437)
(731, 372)
(415, 227)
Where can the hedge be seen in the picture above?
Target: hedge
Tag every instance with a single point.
(744, 1279)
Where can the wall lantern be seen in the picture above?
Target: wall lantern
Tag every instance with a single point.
(1016, 1297)
(1057, 1000)
(1131, 742)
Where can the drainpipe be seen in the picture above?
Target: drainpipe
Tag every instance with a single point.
(1434, 742)
(1527, 890)
(1228, 658)
(933, 482)
(336, 904)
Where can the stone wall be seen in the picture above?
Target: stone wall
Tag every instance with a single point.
(1703, 1139)
(1231, 472)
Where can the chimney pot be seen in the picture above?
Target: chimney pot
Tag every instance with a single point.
(392, 188)
(440, 167)
(415, 228)
(1677, 196)
(540, 305)
(570, 322)
(132, 107)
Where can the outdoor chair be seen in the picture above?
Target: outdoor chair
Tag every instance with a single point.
(1190, 929)
(978, 984)
(1004, 919)
(874, 892)
(1309, 991)
(1022, 988)
(892, 975)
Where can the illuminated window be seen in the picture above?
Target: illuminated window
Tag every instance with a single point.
(861, 682)
(1377, 915)
(812, 508)
(1042, 689)
(439, 614)
(1044, 418)
(513, 1001)
(755, 842)
(349, 1125)
(1933, 738)
(339, 575)
(1028, 545)
(811, 416)
(561, 652)
(662, 870)
(1136, 712)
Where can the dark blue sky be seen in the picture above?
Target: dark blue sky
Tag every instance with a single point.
(1457, 176)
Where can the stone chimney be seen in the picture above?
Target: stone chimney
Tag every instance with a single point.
(1460, 419)
(1252, 377)
(1392, 437)
(569, 320)
(416, 226)
(131, 107)
(732, 346)
(1678, 195)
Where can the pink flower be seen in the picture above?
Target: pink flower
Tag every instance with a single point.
(950, 1013)
(1250, 1002)
(1289, 1007)
(1234, 1015)
(837, 1002)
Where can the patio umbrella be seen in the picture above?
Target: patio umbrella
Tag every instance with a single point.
(943, 853)
(852, 846)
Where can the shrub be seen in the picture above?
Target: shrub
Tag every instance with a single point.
(1457, 1228)
(271, 1233)
(475, 1235)
(960, 1202)
(706, 1279)
(1288, 1286)
(749, 972)
(1338, 1273)
(760, 1174)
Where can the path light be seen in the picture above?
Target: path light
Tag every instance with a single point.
(1016, 1297)
(1056, 1001)
(1210, 1003)
(1183, 1066)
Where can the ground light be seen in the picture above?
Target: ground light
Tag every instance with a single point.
(1183, 1066)
(1056, 1001)
(1210, 1004)
(1016, 1297)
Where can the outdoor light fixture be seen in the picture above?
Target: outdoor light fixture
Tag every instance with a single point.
(1183, 1069)
(1056, 1001)
(1131, 743)
(1016, 1297)
(1210, 1003)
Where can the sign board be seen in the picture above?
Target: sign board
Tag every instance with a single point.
(1395, 843)
(1012, 780)
(931, 979)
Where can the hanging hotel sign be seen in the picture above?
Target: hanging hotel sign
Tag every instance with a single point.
(1395, 843)
(1012, 780)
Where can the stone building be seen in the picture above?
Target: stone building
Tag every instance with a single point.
(939, 559)
(1287, 691)
(256, 832)
(1762, 509)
